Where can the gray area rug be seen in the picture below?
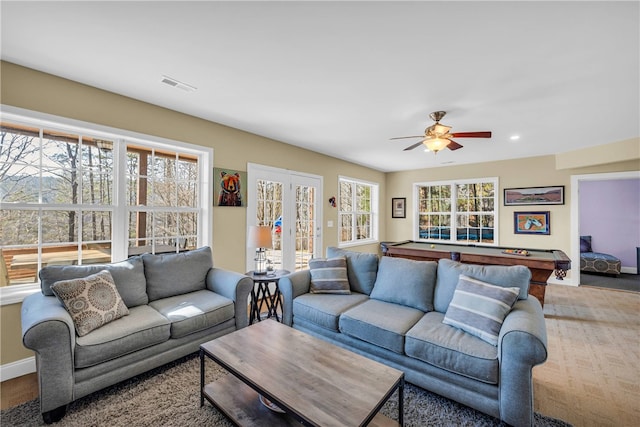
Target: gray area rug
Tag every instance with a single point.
(624, 282)
(169, 396)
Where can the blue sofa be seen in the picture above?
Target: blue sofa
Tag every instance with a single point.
(395, 312)
(175, 302)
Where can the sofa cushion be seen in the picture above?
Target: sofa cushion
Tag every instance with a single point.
(449, 272)
(407, 282)
(325, 309)
(174, 274)
(362, 268)
(329, 276)
(380, 323)
(480, 308)
(195, 311)
(91, 301)
(128, 276)
(450, 348)
(142, 328)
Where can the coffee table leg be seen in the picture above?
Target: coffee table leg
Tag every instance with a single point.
(401, 402)
(201, 378)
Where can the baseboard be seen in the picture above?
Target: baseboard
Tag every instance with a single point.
(17, 369)
(629, 270)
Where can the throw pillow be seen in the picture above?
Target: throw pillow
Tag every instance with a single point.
(91, 301)
(585, 244)
(406, 282)
(479, 308)
(329, 276)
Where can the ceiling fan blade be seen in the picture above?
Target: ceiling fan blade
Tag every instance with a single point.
(453, 145)
(406, 137)
(471, 135)
(411, 147)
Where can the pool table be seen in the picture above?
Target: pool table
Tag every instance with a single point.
(542, 263)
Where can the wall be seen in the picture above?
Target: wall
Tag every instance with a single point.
(25, 88)
(610, 213)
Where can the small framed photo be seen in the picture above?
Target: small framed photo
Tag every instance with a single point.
(534, 196)
(531, 223)
(399, 207)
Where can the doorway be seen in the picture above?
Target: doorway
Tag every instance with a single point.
(289, 203)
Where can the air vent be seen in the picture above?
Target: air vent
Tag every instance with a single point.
(177, 83)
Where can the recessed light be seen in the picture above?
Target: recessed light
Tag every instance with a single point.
(514, 137)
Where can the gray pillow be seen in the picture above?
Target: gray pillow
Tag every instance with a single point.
(479, 308)
(128, 276)
(173, 274)
(362, 268)
(329, 276)
(449, 272)
(406, 282)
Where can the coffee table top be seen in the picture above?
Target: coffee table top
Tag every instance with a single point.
(317, 381)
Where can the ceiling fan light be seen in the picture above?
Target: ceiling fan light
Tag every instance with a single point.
(436, 144)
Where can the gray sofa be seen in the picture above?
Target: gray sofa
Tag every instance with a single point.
(394, 314)
(175, 302)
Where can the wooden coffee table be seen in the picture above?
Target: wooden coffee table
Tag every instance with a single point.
(314, 382)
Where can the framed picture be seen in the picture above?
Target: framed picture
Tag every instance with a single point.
(531, 223)
(399, 207)
(534, 196)
(229, 187)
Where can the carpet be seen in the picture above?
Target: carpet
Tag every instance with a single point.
(169, 396)
(624, 282)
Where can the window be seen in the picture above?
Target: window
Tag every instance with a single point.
(461, 211)
(81, 195)
(358, 211)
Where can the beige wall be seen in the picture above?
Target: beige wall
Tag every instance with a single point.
(233, 149)
(29, 89)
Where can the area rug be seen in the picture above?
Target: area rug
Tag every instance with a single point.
(169, 396)
(624, 282)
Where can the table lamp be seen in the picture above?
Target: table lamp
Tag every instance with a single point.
(260, 238)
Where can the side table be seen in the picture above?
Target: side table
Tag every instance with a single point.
(261, 295)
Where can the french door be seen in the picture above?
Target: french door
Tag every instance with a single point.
(289, 203)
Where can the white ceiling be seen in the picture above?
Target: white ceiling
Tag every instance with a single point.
(341, 78)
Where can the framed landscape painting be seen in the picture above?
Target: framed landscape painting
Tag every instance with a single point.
(534, 196)
(531, 223)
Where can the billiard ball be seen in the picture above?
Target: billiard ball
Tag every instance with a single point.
(433, 246)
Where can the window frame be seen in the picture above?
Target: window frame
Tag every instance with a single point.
(13, 294)
(453, 212)
(375, 212)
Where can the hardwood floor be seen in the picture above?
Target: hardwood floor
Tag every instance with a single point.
(18, 390)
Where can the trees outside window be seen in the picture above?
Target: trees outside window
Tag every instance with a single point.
(358, 211)
(457, 211)
(59, 200)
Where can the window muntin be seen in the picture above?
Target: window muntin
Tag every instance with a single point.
(58, 187)
(457, 211)
(357, 211)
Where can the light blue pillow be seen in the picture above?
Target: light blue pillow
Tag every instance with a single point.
(406, 282)
(362, 268)
(479, 308)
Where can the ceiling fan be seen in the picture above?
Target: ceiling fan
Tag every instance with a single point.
(436, 137)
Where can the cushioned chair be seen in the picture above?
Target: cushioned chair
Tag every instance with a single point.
(596, 262)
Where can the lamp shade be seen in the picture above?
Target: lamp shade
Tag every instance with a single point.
(436, 144)
(259, 237)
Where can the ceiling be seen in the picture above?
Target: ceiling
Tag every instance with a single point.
(342, 78)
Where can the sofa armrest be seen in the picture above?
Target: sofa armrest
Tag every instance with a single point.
(234, 286)
(48, 330)
(291, 286)
(522, 344)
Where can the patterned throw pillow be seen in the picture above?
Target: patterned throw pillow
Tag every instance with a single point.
(92, 301)
(479, 308)
(329, 276)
